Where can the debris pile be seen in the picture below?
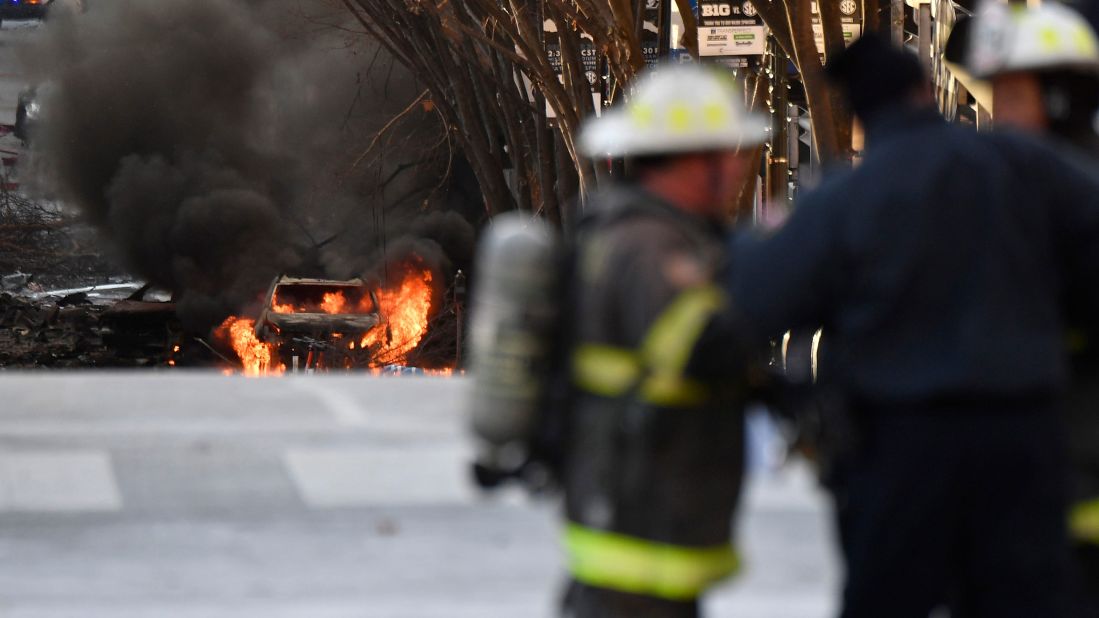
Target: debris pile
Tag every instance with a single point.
(41, 244)
(71, 332)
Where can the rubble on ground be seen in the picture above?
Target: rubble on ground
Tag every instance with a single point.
(72, 332)
(83, 322)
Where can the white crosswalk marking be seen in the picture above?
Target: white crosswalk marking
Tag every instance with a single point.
(346, 409)
(58, 481)
(342, 477)
(188, 495)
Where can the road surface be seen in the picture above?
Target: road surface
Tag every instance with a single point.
(174, 494)
(177, 495)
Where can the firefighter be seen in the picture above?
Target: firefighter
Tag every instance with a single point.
(936, 268)
(1043, 64)
(654, 457)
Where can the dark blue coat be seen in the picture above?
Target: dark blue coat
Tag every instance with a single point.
(936, 267)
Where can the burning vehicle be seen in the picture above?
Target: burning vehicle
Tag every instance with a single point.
(325, 325)
(317, 321)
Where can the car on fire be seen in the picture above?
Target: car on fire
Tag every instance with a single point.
(315, 322)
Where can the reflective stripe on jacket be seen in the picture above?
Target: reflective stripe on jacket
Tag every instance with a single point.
(655, 450)
(656, 370)
(620, 562)
(1084, 522)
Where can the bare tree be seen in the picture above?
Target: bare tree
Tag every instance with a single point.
(790, 22)
(484, 63)
(486, 67)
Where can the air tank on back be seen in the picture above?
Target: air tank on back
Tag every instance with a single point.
(515, 305)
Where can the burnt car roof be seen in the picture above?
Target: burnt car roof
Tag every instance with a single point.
(316, 321)
(285, 280)
(338, 322)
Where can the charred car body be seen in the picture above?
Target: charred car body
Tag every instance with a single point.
(319, 322)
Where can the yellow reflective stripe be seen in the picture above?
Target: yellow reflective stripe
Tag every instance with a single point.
(630, 564)
(672, 391)
(667, 347)
(613, 372)
(658, 371)
(605, 370)
(1084, 521)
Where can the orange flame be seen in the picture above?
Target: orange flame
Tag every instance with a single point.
(445, 372)
(334, 303)
(405, 310)
(257, 357)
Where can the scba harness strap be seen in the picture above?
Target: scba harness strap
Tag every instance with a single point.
(655, 371)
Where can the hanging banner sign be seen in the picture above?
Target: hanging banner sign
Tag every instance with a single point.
(590, 58)
(850, 21)
(651, 27)
(730, 32)
(677, 48)
(732, 41)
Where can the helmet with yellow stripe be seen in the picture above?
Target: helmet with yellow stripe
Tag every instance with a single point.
(675, 109)
(1009, 39)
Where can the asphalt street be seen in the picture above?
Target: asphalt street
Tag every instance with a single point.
(188, 495)
(174, 494)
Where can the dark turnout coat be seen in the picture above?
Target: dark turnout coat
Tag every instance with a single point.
(654, 459)
(942, 270)
(1083, 395)
(937, 267)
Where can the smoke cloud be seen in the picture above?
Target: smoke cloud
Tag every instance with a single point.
(220, 143)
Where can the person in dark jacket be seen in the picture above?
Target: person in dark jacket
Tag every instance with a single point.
(936, 269)
(654, 453)
(1044, 71)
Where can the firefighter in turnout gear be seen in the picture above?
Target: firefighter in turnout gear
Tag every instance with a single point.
(654, 457)
(938, 268)
(1043, 64)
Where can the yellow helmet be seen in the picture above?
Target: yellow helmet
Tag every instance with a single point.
(1008, 39)
(675, 108)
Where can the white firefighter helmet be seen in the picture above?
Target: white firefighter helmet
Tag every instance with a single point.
(675, 109)
(1008, 39)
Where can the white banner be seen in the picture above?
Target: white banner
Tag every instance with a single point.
(732, 41)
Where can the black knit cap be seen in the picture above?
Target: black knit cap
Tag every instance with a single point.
(873, 74)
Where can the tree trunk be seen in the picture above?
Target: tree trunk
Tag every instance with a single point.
(896, 25)
(834, 44)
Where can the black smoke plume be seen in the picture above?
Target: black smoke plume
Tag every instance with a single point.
(220, 143)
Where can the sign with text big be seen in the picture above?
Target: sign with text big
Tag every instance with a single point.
(730, 32)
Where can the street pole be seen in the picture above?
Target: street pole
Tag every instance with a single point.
(896, 21)
(459, 304)
(793, 149)
(925, 33)
(776, 189)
